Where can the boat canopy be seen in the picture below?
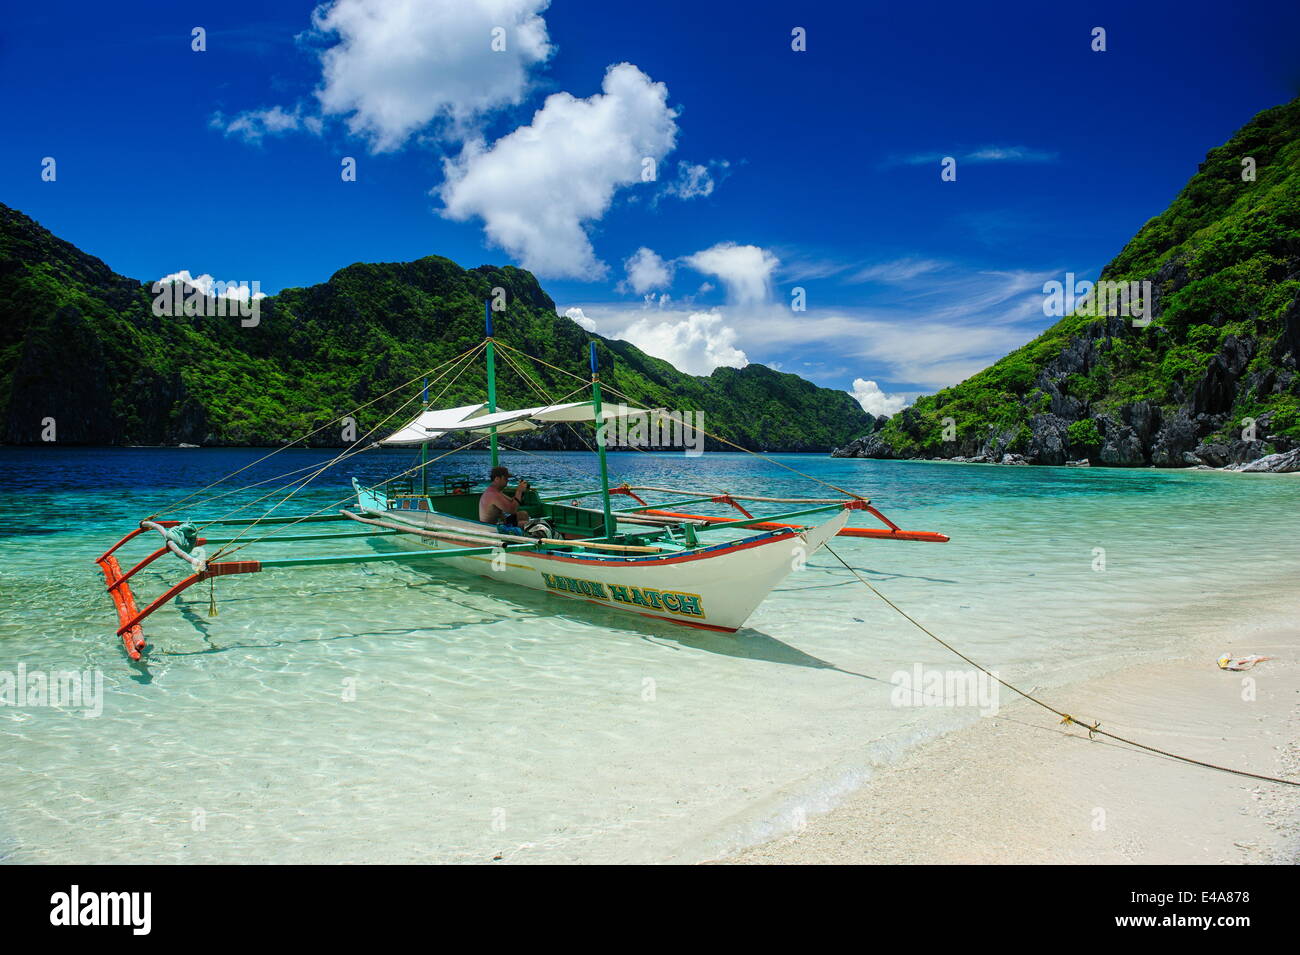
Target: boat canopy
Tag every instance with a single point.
(434, 421)
(476, 418)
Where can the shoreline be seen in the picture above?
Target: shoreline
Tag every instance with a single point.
(1198, 468)
(1019, 788)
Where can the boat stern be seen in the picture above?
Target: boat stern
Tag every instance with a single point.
(369, 500)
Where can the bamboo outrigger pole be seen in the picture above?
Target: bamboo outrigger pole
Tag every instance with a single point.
(491, 376)
(597, 417)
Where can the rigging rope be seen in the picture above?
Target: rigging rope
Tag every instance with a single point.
(757, 454)
(390, 480)
(356, 448)
(347, 453)
(1066, 719)
(541, 393)
(189, 497)
(341, 501)
(248, 487)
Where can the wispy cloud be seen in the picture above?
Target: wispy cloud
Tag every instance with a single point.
(928, 334)
(982, 154)
(255, 124)
(796, 267)
(898, 270)
(696, 180)
(1011, 154)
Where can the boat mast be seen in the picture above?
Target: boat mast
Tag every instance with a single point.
(491, 376)
(424, 448)
(600, 443)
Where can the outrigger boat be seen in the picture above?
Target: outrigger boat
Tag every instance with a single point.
(647, 558)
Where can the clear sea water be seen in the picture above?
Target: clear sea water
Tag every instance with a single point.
(393, 713)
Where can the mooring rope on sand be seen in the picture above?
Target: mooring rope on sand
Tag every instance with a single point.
(1094, 728)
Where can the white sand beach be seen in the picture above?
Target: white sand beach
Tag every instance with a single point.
(1019, 788)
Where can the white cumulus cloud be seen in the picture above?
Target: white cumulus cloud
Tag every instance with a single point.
(536, 188)
(398, 65)
(745, 270)
(875, 401)
(206, 284)
(646, 271)
(696, 344)
(580, 317)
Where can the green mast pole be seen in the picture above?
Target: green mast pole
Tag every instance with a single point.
(600, 443)
(491, 377)
(424, 450)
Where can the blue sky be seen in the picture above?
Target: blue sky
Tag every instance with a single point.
(775, 169)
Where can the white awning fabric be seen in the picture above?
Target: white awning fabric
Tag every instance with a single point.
(432, 422)
(475, 418)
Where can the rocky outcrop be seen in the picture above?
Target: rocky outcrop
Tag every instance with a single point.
(1223, 453)
(1144, 420)
(1288, 345)
(1173, 444)
(1049, 441)
(1282, 463)
(863, 447)
(1136, 434)
(1122, 447)
(1216, 392)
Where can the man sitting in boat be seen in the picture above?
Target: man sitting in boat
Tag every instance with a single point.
(498, 507)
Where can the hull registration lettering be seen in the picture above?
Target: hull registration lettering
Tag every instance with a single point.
(674, 601)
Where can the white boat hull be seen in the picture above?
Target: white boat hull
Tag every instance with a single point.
(714, 588)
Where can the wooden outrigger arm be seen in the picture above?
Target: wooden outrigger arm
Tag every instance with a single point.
(129, 616)
(891, 532)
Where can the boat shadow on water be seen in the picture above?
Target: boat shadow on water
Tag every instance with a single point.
(747, 643)
(479, 601)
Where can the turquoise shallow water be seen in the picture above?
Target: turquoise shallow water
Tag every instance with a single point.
(407, 713)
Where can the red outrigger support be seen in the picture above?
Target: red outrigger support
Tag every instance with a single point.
(894, 532)
(119, 587)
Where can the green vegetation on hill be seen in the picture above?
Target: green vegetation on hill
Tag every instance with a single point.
(81, 344)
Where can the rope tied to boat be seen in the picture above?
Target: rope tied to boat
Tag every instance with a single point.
(1094, 729)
